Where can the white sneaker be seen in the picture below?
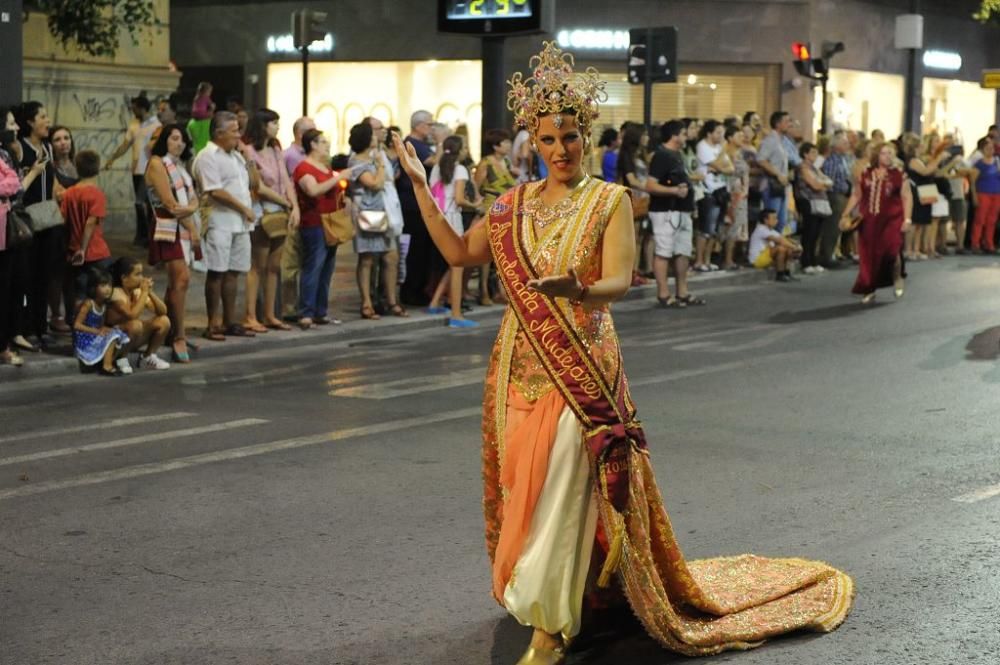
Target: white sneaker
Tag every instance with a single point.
(153, 361)
(819, 269)
(123, 365)
(809, 270)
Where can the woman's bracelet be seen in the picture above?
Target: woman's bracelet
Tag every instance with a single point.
(584, 290)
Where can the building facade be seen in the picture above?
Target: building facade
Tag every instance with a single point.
(91, 95)
(386, 58)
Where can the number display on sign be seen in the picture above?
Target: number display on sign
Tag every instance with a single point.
(488, 9)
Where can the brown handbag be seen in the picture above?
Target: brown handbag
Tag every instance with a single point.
(640, 205)
(275, 224)
(338, 227)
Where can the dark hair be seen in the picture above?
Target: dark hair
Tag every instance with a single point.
(766, 212)
(61, 128)
(88, 163)
(340, 161)
(142, 101)
(95, 278)
(492, 138)
(748, 117)
(776, 118)
(608, 136)
(708, 128)
(669, 130)
(360, 138)
(805, 148)
(6, 136)
(731, 130)
(449, 157)
(308, 138)
(629, 150)
(219, 120)
(160, 147)
(982, 142)
(122, 267)
(389, 131)
(24, 114)
(256, 133)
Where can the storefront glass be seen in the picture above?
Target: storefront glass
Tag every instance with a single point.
(958, 107)
(342, 93)
(862, 101)
(703, 91)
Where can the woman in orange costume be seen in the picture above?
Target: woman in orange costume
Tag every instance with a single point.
(571, 502)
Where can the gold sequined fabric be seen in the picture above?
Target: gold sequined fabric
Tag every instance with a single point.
(691, 607)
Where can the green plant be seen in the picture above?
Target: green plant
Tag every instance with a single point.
(95, 25)
(989, 10)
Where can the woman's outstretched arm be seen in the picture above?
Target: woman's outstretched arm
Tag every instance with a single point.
(473, 248)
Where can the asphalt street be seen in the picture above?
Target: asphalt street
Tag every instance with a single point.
(319, 503)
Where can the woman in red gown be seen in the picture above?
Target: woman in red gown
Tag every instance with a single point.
(885, 205)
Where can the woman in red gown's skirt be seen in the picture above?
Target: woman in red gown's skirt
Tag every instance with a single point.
(883, 193)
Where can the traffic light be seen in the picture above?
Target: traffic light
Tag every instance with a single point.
(308, 27)
(658, 46)
(803, 59)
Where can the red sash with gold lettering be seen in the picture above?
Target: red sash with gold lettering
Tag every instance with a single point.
(607, 417)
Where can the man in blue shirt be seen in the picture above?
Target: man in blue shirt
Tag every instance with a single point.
(772, 158)
(836, 167)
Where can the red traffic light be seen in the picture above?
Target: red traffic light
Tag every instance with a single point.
(801, 51)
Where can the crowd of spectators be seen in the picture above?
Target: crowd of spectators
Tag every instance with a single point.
(714, 195)
(219, 193)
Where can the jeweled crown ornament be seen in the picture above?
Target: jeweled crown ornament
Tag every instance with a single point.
(553, 88)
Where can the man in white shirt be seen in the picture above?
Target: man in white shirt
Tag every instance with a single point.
(222, 173)
(137, 137)
(713, 165)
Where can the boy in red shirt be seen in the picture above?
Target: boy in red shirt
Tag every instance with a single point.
(84, 207)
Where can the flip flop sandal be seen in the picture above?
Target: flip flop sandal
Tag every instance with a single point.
(279, 326)
(398, 310)
(214, 335)
(692, 300)
(236, 330)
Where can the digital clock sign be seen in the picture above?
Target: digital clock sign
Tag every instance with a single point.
(466, 10)
(495, 17)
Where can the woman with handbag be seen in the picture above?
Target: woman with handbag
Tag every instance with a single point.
(374, 238)
(13, 233)
(632, 168)
(885, 204)
(176, 240)
(447, 181)
(813, 204)
(280, 213)
(921, 169)
(319, 189)
(46, 264)
(493, 177)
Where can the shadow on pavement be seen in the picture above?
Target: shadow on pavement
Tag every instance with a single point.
(984, 345)
(824, 313)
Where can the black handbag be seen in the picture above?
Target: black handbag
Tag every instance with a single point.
(19, 231)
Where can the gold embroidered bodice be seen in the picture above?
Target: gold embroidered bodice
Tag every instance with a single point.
(571, 242)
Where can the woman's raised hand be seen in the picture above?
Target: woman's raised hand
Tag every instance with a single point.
(560, 286)
(409, 161)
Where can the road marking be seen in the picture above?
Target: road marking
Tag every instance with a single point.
(131, 441)
(711, 369)
(979, 495)
(89, 427)
(413, 385)
(237, 453)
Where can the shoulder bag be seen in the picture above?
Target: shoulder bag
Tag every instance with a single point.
(928, 194)
(44, 215)
(19, 231)
(373, 221)
(337, 226)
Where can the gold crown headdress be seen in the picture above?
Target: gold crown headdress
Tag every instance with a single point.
(555, 87)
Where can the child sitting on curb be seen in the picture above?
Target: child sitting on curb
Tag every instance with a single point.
(768, 247)
(93, 340)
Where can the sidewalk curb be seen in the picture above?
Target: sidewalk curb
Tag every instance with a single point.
(354, 330)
